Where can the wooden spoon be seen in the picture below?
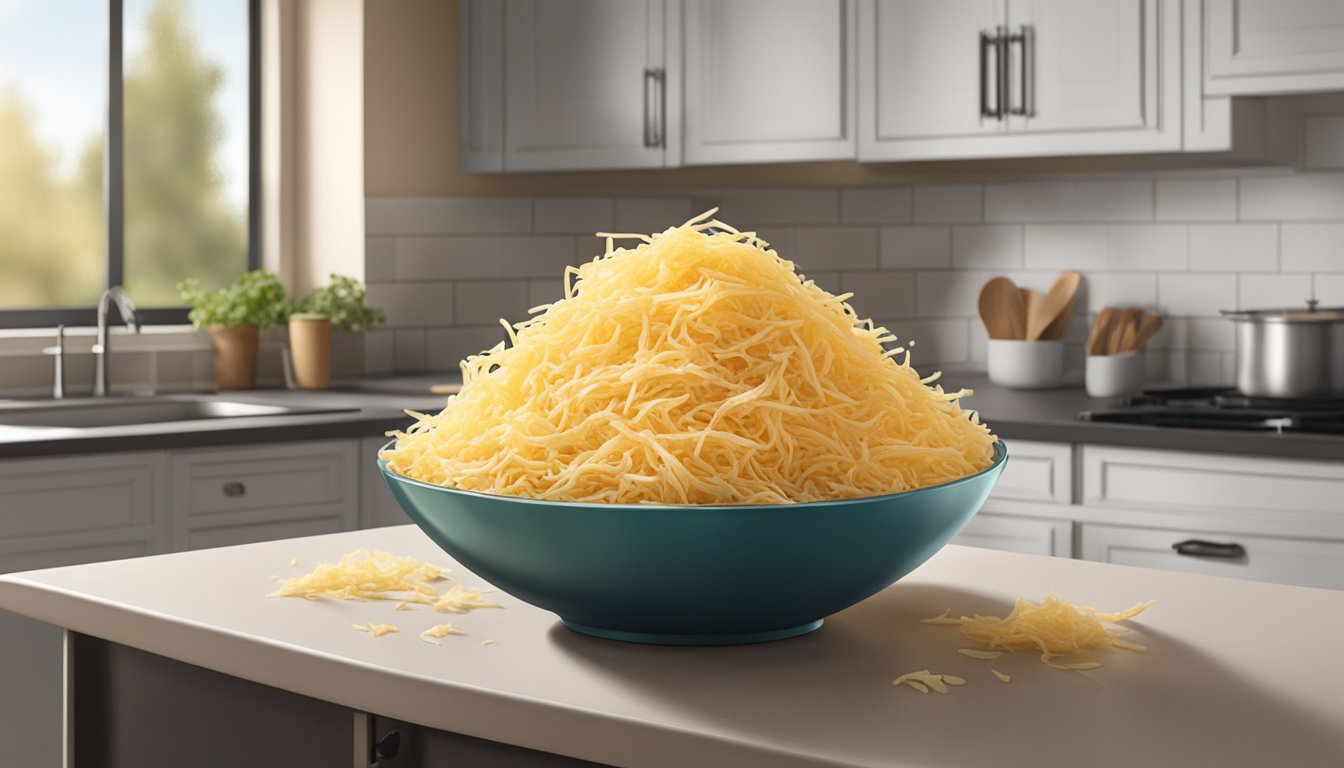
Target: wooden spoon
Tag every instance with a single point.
(1055, 305)
(1128, 323)
(1151, 325)
(1031, 299)
(1096, 340)
(1002, 309)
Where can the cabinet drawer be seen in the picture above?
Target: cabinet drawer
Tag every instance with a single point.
(1228, 485)
(1010, 533)
(262, 477)
(1303, 562)
(1037, 472)
(55, 496)
(252, 531)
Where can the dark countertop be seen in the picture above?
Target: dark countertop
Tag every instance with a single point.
(371, 407)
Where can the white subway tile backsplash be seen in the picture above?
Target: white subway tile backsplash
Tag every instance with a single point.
(1273, 291)
(379, 353)
(1216, 333)
(1300, 197)
(481, 302)
(544, 291)
(830, 282)
(446, 348)
(1034, 201)
(1323, 141)
(1197, 200)
(875, 206)
(932, 342)
(881, 294)
(403, 216)
(951, 204)
(948, 293)
(1065, 246)
(408, 350)
(1234, 247)
(414, 304)
(1206, 368)
(1113, 201)
(574, 215)
(1147, 248)
(1121, 290)
(646, 215)
(745, 209)
(918, 247)
(471, 258)
(1329, 290)
(379, 259)
(1197, 295)
(987, 247)
(835, 248)
(1313, 247)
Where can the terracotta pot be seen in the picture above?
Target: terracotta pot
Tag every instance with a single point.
(310, 346)
(235, 353)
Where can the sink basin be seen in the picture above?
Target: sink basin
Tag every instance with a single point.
(126, 411)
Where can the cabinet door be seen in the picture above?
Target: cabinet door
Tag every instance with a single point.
(576, 93)
(232, 496)
(783, 93)
(1089, 64)
(1011, 533)
(377, 507)
(920, 76)
(1273, 46)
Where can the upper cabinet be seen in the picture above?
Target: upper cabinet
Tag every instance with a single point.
(769, 80)
(989, 78)
(1273, 46)
(580, 84)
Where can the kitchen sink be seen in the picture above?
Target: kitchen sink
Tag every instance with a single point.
(127, 411)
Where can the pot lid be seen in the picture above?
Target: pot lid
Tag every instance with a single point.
(1310, 314)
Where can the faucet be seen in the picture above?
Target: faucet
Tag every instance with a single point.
(126, 308)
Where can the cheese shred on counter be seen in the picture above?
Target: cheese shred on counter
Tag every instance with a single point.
(1054, 627)
(365, 575)
(697, 367)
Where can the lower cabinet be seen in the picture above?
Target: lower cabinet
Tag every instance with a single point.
(1012, 533)
(377, 507)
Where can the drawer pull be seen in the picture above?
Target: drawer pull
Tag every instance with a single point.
(1198, 548)
(234, 489)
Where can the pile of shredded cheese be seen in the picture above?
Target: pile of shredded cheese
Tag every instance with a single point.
(1054, 627)
(697, 367)
(365, 575)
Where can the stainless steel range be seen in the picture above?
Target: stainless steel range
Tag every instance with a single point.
(1223, 408)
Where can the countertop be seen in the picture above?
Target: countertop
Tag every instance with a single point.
(1237, 673)
(371, 407)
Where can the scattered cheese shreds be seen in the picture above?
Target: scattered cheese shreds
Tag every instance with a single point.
(1002, 677)
(294, 561)
(460, 600)
(976, 653)
(1054, 627)
(923, 680)
(377, 630)
(402, 606)
(437, 631)
(366, 575)
(487, 642)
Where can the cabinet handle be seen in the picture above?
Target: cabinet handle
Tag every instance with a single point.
(1200, 548)
(388, 747)
(655, 113)
(988, 42)
(1025, 39)
(234, 489)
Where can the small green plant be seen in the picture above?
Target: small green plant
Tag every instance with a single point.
(255, 298)
(342, 302)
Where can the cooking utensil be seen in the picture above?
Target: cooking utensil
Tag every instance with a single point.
(1101, 328)
(1032, 300)
(1151, 325)
(1058, 304)
(641, 572)
(1002, 309)
(1128, 323)
(1291, 353)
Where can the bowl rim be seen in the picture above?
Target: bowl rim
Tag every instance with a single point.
(1000, 457)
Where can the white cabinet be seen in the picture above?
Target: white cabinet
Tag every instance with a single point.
(1028, 510)
(769, 80)
(232, 496)
(589, 84)
(377, 506)
(1018, 533)
(1273, 46)
(976, 78)
(1037, 471)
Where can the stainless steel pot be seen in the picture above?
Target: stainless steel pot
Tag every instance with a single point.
(1294, 353)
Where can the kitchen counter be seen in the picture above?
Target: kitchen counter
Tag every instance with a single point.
(374, 406)
(1236, 673)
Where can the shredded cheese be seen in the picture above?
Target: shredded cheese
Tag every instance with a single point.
(1003, 678)
(1054, 627)
(460, 600)
(976, 653)
(697, 367)
(377, 630)
(487, 642)
(924, 680)
(437, 631)
(365, 575)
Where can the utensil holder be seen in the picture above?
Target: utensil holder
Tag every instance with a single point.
(1119, 375)
(1018, 364)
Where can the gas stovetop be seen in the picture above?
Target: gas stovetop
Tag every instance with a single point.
(1221, 408)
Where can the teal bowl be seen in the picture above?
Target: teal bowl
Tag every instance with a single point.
(694, 575)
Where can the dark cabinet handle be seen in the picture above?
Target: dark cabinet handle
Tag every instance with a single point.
(1198, 548)
(388, 746)
(234, 489)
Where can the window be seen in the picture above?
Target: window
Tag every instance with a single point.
(128, 153)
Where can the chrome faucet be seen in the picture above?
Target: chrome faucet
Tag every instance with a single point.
(126, 308)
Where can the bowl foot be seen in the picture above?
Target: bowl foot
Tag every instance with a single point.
(658, 638)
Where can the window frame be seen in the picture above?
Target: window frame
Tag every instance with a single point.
(114, 187)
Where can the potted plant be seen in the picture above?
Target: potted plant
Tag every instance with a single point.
(234, 316)
(339, 304)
